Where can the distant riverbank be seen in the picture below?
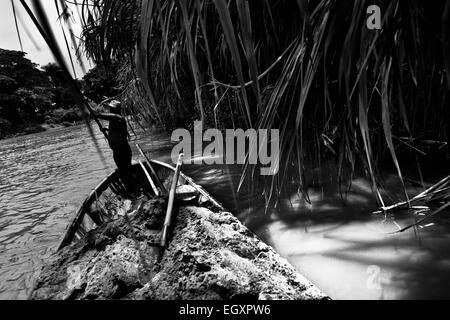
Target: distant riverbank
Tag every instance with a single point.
(57, 118)
(34, 128)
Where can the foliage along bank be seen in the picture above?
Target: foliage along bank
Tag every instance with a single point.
(33, 99)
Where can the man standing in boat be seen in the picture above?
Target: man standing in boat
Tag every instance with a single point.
(117, 135)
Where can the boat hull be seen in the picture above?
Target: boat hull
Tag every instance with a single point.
(112, 199)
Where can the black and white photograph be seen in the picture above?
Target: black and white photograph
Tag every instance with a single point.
(225, 150)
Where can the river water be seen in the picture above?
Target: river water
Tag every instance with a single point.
(342, 248)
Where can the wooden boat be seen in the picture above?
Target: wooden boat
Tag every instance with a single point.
(212, 255)
(111, 199)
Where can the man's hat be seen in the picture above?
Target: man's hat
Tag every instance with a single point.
(114, 104)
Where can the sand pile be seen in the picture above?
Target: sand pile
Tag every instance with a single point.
(211, 255)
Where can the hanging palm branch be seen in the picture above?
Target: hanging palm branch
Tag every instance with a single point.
(311, 69)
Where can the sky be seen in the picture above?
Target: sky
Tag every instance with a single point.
(41, 55)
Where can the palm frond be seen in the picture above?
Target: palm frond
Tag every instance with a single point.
(309, 68)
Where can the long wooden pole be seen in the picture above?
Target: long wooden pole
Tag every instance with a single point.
(45, 30)
(172, 191)
(152, 184)
(152, 171)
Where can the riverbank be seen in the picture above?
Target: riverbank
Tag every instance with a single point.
(210, 256)
(36, 128)
(58, 118)
(54, 119)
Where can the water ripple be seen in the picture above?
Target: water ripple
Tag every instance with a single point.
(43, 179)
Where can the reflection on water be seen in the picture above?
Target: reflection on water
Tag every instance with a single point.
(352, 254)
(343, 249)
(43, 179)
